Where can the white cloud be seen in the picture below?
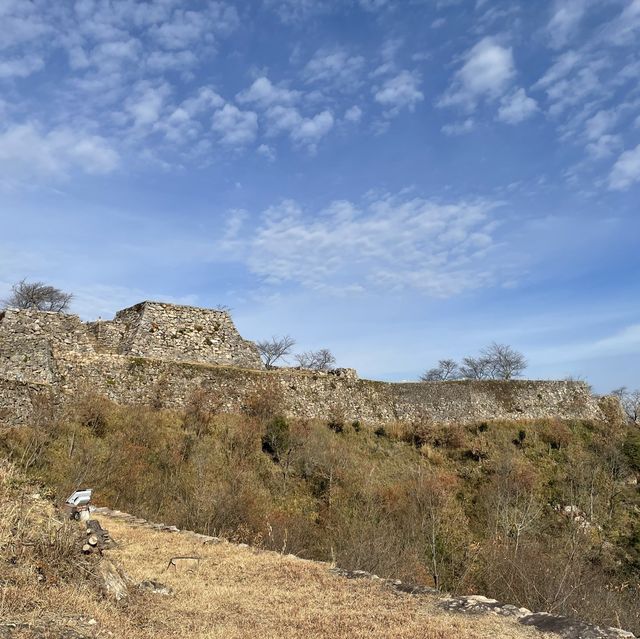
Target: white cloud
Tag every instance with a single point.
(459, 128)
(183, 124)
(374, 5)
(393, 243)
(205, 100)
(267, 151)
(600, 123)
(20, 67)
(236, 127)
(560, 68)
(605, 146)
(624, 28)
(146, 104)
(163, 61)
(626, 171)
(601, 142)
(565, 19)
(263, 93)
(27, 151)
(293, 11)
(334, 67)
(184, 28)
(486, 73)
(311, 130)
(305, 131)
(398, 92)
(22, 24)
(353, 114)
(516, 107)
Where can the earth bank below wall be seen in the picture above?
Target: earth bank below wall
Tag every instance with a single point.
(138, 380)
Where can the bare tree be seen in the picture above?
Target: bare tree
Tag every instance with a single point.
(37, 296)
(630, 402)
(447, 369)
(497, 361)
(504, 361)
(321, 360)
(475, 368)
(275, 349)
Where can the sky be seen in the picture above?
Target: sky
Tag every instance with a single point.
(396, 180)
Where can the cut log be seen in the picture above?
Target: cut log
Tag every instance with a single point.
(96, 531)
(86, 549)
(93, 540)
(112, 580)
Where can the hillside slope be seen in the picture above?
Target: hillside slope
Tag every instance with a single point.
(220, 589)
(544, 515)
(183, 584)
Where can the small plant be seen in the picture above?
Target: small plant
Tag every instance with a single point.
(519, 441)
(277, 438)
(336, 420)
(380, 432)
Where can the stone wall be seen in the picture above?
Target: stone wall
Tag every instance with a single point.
(184, 333)
(29, 339)
(305, 394)
(160, 354)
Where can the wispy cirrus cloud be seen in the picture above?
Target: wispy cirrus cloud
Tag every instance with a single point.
(565, 19)
(591, 89)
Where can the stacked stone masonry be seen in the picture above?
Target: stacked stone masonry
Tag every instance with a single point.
(160, 354)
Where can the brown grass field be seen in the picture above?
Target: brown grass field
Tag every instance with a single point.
(231, 592)
(238, 592)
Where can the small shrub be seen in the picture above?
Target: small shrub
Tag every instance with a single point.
(277, 438)
(264, 403)
(519, 441)
(555, 434)
(335, 426)
(336, 419)
(380, 432)
(93, 412)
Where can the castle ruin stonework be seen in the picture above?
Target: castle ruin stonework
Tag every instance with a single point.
(160, 354)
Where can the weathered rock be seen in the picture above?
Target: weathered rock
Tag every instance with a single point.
(477, 604)
(571, 628)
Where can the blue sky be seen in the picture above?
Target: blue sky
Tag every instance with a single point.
(397, 180)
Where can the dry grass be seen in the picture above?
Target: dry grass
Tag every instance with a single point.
(239, 592)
